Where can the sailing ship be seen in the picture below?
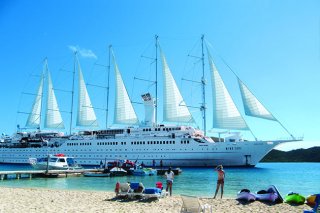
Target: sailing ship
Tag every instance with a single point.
(148, 141)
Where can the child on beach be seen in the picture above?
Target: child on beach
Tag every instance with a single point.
(220, 181)
(170, 176)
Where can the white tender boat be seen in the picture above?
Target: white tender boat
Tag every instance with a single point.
(96, 174)
(117, 171)
(144, 172)
(54, 162)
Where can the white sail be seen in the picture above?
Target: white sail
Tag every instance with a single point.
(123, 112)
(252, 106)
(53, 117)
(86, 115)
(174, 109)
(225, 112)
(34, 117)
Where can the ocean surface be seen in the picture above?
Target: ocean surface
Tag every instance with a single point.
(287, 177)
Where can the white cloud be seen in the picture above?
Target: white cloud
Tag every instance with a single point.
(83, 52)
(73, 48)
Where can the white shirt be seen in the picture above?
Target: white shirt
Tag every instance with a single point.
(170, 175)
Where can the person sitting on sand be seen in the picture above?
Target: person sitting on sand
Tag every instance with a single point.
(220, 181)
(170, 176)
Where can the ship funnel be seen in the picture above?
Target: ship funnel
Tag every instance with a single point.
(149, 107)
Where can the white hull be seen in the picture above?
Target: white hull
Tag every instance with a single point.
(175, 153)
(50, 167)
(54, 162)
(145, 172)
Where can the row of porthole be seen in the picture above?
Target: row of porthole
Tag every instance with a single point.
(164, 129)
(106, 150)
(97, 156)
(23, 150)
(77, 144)
(108, 143)
(152, 142)
(228, 148)
(233, 148)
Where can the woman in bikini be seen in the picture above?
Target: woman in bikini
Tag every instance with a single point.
(220, 181)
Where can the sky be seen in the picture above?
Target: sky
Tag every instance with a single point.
(273, 46)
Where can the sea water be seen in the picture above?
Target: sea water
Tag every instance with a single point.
(287, 177)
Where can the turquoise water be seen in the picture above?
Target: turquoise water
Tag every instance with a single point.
(296, 177)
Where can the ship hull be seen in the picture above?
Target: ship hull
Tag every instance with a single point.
(172, 152)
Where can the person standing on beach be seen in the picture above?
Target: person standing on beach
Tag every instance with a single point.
(220, 181)
(169, 176)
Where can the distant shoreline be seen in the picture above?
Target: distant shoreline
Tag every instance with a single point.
(299, 155)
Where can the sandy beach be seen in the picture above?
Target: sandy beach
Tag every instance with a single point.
(67, 201)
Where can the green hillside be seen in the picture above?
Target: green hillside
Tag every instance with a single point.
(299, 155)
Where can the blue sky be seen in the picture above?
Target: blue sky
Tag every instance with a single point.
(273, 46)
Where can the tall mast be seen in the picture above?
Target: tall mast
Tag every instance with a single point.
(203, 84)
(156, 62)
(72, 91)
(108, 85)
(44, 72)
